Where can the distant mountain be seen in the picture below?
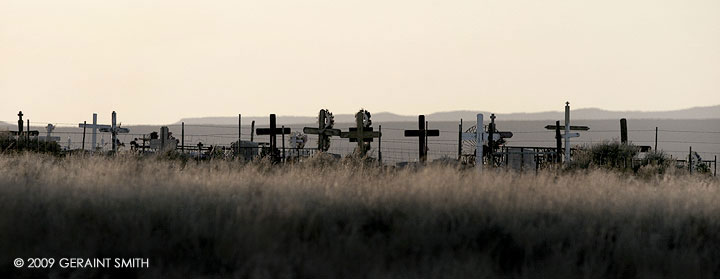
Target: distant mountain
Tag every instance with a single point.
(712, 112)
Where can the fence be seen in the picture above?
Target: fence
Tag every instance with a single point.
(397, 148)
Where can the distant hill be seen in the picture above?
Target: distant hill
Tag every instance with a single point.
(712, 112)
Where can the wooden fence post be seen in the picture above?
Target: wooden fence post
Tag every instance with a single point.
(83, 144)
(460, 140)
(656, 137)
(380, 145)
(558, 140)
(252, 131)
(623, 131)
(690, 160)
(239, 131)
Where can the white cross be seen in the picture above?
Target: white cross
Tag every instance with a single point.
(480, 136)
(114, 130)
(567, 134)
(49, 128)
(94, 126)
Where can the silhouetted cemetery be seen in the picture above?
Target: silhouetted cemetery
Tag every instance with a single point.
(481, 145)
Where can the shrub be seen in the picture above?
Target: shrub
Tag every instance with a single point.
(608, 155)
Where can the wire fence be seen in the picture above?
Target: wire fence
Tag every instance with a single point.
(395, 147)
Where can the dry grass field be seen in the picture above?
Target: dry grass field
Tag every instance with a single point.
(320, 220)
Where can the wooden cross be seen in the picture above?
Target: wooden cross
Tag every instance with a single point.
(422, 133)
(114, 130)
(362, 133)
(324, 130)
(273, 131)
(567, 134)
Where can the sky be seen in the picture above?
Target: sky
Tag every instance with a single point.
(156, 62)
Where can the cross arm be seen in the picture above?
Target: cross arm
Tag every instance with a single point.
(81, 125)
(266, 131)
(367, 135)
(118, 130)
(327, 132)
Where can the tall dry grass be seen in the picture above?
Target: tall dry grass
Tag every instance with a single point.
(319, 220)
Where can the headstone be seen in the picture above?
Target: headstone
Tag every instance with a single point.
(521, 159)
(164, 141)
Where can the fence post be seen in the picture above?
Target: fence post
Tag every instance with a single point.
(623, 131)
(83, 144)
(460, 140)
(282, 128)
(558, 140)
(380, 145)
(491, 141)
(690, 160)
(656, 134)
(252, 131)
(182, 146)
(239, 132)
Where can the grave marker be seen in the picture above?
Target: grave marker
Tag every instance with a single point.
(495, 138)
(480, 136)
(362, 133)
(422, 133)
(24, 132)
(103, 128)
(568, 128)
(114, 130)
(49, 129)
(273, 131)
(325, 130)
(20, 124)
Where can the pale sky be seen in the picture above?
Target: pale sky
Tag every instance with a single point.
(159, 61)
